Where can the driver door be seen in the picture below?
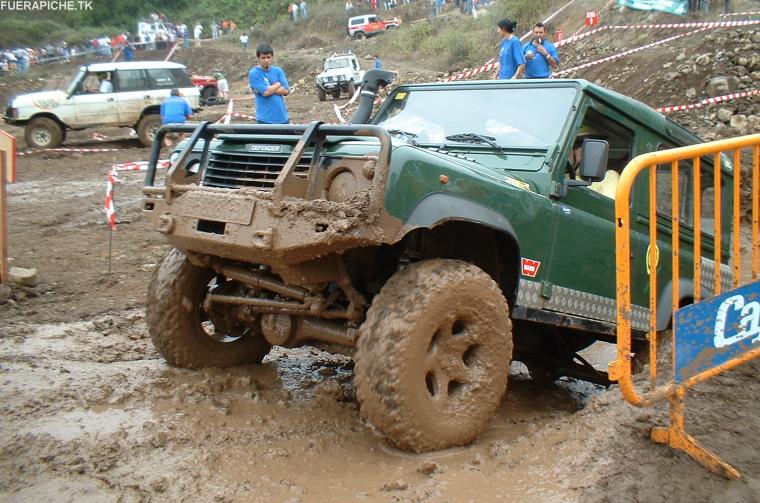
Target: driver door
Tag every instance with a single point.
(92, 108)
(582, 272)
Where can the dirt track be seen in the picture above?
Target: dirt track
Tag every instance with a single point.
(92, 413)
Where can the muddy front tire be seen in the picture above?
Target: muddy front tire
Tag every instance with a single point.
(321, 94)
(433, 355)
(180, 327)
(43, 132)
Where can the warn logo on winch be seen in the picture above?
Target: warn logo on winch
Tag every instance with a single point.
(530, 267)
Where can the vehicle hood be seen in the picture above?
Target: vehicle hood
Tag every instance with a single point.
(334, 72)
(44, 100)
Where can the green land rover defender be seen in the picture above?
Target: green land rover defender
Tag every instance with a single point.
(464, 225)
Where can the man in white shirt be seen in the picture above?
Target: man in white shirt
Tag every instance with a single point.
(222, 87)
(106, 86)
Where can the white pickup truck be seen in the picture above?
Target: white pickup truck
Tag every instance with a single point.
(137, 90)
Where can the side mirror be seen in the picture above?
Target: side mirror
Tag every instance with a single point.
(594, 160)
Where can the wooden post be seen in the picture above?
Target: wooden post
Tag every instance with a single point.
(7, 175)
(3, 222)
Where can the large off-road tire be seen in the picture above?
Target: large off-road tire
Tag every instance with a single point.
(321, 94)
(351, 89)
(433, 355)
(179, 325)
(43, 132)
(209, 92)
(147, 128)
(359, 35)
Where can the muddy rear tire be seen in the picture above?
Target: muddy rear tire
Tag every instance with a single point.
(147, 128)
(179, 325)
(433, 355)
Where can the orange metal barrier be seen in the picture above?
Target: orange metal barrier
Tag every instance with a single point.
(684, 163)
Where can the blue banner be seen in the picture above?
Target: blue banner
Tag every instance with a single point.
(679, 7)
(717, 330)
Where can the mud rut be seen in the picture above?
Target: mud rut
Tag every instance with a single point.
(91, 413)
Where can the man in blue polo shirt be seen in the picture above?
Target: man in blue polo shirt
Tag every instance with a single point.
(174, 110)
(540, 55)
(269, 86)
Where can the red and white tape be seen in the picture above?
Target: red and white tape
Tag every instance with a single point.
(619, 55)
(488, 66)
(551, 16)
(110, 206)
(750, 13)
(349, 102)
(711, 24)
(709, 101)
(43, 150)
(138, 165)
(110, 209)
(584, 26)
(229, 114)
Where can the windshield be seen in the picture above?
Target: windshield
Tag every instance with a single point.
(76, 80)
(517, 117)
(331, 64)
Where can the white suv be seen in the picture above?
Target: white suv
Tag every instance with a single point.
(342, 73)
(138, 90)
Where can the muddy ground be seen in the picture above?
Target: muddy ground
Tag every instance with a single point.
(92, 413)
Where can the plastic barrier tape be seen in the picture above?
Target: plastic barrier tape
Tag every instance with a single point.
(709, 101)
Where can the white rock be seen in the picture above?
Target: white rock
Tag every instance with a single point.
(739, 121)
(724, 114)
(21, 276)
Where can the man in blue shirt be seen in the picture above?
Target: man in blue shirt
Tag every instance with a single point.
(174, 110)
(269, 86)
(378, 63)
(511, 59)
(540, 55)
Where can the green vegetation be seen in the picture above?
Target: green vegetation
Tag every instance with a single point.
(450, 41)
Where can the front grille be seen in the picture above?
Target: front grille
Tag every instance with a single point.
(236, 170)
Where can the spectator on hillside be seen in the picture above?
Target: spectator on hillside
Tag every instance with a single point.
(269, 86)
(244, 41)
(222, 87)
(349, 7)
(174, 110)
(129, 51)
(197, 33)
(185, 35)
(22, 60)
(540, 55)
(304, 10)
(214, 30)
(511, 59)
(293, 10)
(378, 63)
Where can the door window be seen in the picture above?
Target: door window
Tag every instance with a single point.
(131, 80)
(161, 78)
(620, 140)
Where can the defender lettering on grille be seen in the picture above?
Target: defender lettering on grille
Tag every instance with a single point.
(264, 148)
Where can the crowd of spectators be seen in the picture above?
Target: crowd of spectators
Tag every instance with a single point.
(153, 33)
